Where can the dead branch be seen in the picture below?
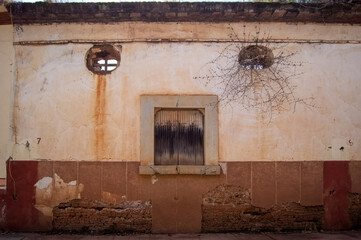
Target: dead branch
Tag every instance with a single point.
(262, 79)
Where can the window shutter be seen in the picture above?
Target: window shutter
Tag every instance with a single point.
(178, 137)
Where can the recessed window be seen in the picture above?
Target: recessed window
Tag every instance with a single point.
(103, 59)
(255, 57)
(179, 135)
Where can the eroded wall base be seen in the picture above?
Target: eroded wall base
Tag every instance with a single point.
(355, 209)
(87, 216)
(246, 196)
(228, 209)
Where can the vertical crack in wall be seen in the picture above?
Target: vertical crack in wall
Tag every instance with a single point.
(100, 117)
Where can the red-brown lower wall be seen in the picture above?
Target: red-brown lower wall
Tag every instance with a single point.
(19, 213)
(190, 203)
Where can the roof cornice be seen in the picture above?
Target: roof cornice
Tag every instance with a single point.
(48, 13)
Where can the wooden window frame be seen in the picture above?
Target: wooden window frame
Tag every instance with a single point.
(149, 104)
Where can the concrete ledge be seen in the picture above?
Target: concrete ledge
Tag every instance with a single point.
(180, 169)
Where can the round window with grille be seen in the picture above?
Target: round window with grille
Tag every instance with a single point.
(255, 57)
(103, 59)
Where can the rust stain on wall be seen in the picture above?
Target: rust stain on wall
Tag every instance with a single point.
(100, 118)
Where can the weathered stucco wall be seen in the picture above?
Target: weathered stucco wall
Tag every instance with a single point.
(305, 195)
(6, 70)
(56, 95)
(302, 168)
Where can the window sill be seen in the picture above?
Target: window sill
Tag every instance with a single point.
(180, 170)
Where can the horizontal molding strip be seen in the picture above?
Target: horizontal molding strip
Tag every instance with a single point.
(278, 41)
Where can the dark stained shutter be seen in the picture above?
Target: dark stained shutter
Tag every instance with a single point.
(178, 137)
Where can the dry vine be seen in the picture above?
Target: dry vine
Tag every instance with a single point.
(267, 87)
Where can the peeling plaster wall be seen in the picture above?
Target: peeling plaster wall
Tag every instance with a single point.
(97, 217)
(67, 118)
(228, 208)
(6, 72)
(52, 191)
(56, 95)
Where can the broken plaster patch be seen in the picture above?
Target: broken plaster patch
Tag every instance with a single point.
(154, 179)
(43, 183)
(112, 198)
(3, 212)
(49, 195)
(72, 183)
(224, 167)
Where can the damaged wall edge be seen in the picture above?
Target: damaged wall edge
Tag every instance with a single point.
(146, 203)
(89, 216)
(228, 208)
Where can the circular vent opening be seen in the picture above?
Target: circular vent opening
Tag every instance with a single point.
(103, 59)
(255, 57)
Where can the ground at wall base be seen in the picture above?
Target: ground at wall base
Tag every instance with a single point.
(344, 235)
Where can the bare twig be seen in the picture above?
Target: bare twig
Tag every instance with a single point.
(269, 89)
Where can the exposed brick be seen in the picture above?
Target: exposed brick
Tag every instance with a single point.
(25, 13)
(182, 14)
(170, 14)
(227, 194)
(278, 13)
(228, 208)
(99, 15)
(135, 15)
(355, 210)
(82, 215)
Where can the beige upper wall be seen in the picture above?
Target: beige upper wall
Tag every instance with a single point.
(6, 73)
(56, 95)
(187, 31)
